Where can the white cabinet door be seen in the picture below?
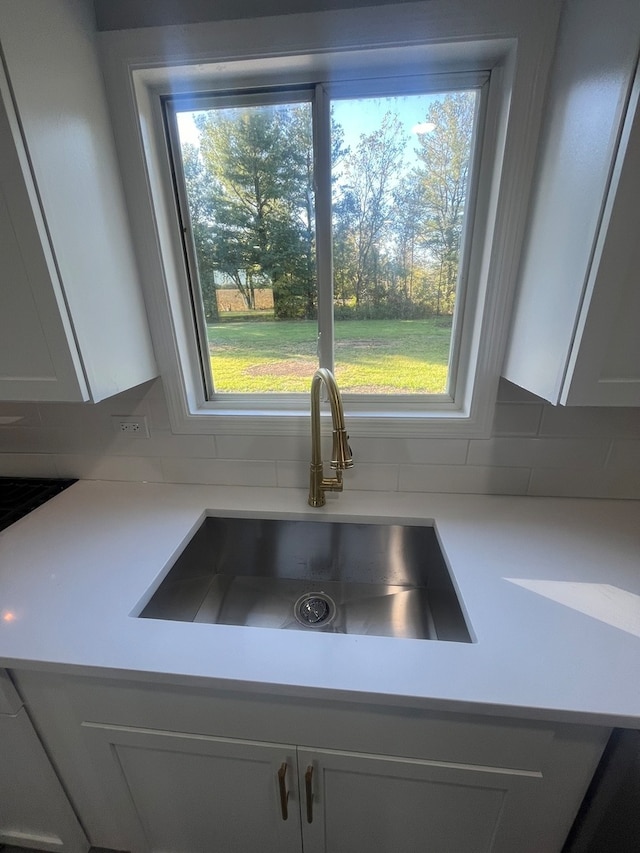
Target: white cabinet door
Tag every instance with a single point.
(34, 810)
(356, 803)
(38, 357)
(185, 793)
(604, 366)
(574, 334)
(181, 793)
(164, 769)
(73, 324)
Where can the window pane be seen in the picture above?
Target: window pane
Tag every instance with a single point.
(400, 185)
(249, 188)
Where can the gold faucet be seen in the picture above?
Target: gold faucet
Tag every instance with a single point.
(341, 454)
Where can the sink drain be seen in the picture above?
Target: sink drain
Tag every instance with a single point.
(314, 609)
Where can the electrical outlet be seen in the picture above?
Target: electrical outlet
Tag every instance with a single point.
(133, 427)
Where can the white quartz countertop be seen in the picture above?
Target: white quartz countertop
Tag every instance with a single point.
(550, 587)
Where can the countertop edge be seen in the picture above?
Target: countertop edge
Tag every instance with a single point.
(345, 697)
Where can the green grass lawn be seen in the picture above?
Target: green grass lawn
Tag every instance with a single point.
(372, 356)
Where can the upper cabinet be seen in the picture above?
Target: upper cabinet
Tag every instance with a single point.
(574, 338)
(73, 325)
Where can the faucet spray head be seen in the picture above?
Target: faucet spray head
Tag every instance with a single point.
(341, 456)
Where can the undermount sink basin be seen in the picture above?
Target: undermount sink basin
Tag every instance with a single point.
(385, 580)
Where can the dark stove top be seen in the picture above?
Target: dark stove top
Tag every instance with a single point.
(19, 495)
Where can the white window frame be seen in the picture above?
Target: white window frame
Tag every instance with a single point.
(241, 55)
(320, 95)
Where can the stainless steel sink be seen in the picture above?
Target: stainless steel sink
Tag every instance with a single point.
(385, 580)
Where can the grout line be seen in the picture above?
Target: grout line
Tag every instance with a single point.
(608, 454)
(529, 478)
(537, 433)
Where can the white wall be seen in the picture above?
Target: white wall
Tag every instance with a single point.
(535, 449)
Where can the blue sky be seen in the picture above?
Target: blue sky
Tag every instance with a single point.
(363, 116)
(357, 117)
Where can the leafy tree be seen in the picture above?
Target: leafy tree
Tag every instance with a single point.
(260, 160)
(362, 208)
(201, 213)
(408, 237)
(442, 176)
(397, 231)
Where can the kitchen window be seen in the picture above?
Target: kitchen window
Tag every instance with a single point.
(342, 260)
(329, 225)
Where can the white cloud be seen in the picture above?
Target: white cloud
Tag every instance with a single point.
(423, 127)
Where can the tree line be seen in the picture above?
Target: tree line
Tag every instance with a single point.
(397, 227)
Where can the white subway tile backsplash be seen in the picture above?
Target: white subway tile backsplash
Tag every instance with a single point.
(164, 443)
(423, 451)
(535, 448)
(463, 479)
(372, 478)
(70, 416)
(292, 475)
(590, 422)
(516, 418)
(147, 399)
(510, 393)
(558, 482)
(92, 439)
(129, 468)
(27, 465)
(136, 396)
(14, 439)
(290, 447)
(28, 413)
(622, 474)
(541, 452)
(223, 472)
(625, 453)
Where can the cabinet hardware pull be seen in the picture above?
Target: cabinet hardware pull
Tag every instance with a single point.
(284, 794)
(308, 777)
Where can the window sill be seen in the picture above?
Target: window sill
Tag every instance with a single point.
(295, 421)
